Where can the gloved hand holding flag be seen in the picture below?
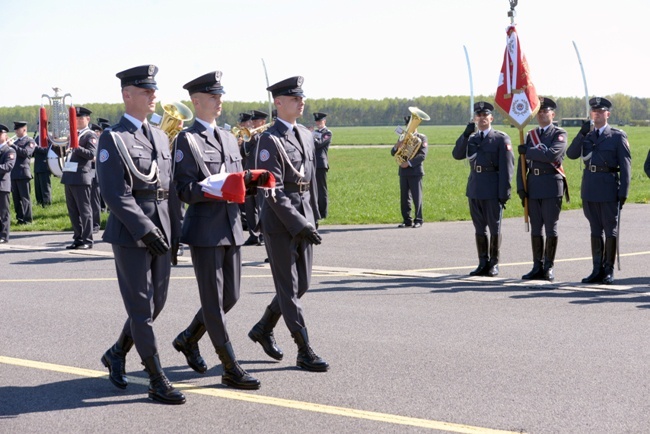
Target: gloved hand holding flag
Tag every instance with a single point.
(231, 186)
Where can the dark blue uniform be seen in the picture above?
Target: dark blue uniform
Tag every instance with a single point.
(7, 162)
(322, 141)
(42, 175)
(20, 179)
(410, 184)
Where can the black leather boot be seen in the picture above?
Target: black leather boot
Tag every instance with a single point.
(610, 258)
(233, 374)
(115, 360)
(483, 259)
(188, 343)
(262, 332)
(307, 359)
(537, 242)
(549, 258)
(160, 389)
(597, 245)
(493, 270)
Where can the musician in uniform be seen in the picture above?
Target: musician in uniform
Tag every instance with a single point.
(605, 152)
(410, 173)
(42, 174)
(7, 162)
(211, 227)
(546, 184)
(78, 173)
(253, 202)
(491, 161)
(135, 171)
(322, 140)
(244, 122)
(288, 217)
(21, 174)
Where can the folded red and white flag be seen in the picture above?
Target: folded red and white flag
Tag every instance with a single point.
(231, 186)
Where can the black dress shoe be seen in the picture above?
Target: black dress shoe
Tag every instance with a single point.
(251, 241)
(74, 246)
(417, 225)
(404, 225)
(85, 247)
(3, 241)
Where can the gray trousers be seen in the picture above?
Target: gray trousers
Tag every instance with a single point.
(5, 216)
(410, 190)
(218, 275)
(77, 198)
(602, 216)
(143, 281)
(20, 189)
(544, 213)
(321, 183)
(291, 263)
(43, 188)
(96, 203)
(485, 214)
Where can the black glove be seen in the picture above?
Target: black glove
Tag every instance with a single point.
(469, 129)
(586, 127)
(621, 202)
(522, 149)
(522, 195)
(503, 202)
(248, 177)
(310, 234)
(155, 242)
(263, 178)
(176, 243)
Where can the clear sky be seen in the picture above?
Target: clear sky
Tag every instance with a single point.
(344, 48)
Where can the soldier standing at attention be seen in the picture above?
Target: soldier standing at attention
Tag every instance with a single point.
(212, 229)
(7, 161)
(42, 174)
(605, 185)
(322, 140)
(21, 174)
(77, 177)
(288, 220)
(491, 164)
(546, 184)
(135, 174)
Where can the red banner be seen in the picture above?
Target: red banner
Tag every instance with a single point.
(516, 96)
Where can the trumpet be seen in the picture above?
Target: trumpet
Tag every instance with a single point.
(245, 134)
(11, 140)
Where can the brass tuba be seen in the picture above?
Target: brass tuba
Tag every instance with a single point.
(410, 142)
(172, 121)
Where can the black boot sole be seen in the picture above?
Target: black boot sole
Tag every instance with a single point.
(165, 400)
(312, 368)
(115, 383)
(272, 354)
(237, 385)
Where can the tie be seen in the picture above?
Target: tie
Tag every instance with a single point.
(147, 132)
(541, 132)
(597, 133)
(482, 135)
(295, 133)
(216, 136)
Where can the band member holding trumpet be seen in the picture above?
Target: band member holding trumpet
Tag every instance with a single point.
(411, 171)
(288, 218)
(211, 227)
(7, 162)
(322, 140)
(135, 175)
(488, 187)
(77, 177)
(254, 202)
(544, 151)
(21, 174)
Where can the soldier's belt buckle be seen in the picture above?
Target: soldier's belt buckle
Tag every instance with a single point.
(536, 172)
(160, 194)
(593, 169)
(303, 187)
(478, 168)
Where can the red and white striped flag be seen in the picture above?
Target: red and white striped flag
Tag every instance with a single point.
(516, 96)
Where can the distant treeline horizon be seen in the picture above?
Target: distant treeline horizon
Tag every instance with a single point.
(443, 110)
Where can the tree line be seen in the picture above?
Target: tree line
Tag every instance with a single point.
(443, 110)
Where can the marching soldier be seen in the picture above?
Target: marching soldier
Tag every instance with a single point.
(78, 173)
(212, 229)
(42, 174)
(605, 185)
(288, 218)
(135, 170)
(322, 140)
(7, 162)
(21, 174)
(253, 202)
(546, 184)
(488, 188)
(410, 182)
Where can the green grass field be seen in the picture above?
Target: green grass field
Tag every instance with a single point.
(364, 185)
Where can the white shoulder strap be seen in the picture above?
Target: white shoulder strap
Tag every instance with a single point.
(150, 178)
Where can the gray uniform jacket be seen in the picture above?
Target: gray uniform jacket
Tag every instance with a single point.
(130, 219)
(208, 222)
(491, 164)
(322, 145)
(610, 155)
(290, 210)
(7, 162)
(83, 156)
(544, 181)
(24, 148)
(416, 167)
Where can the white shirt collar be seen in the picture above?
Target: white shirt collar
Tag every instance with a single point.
(138, 123)
(289, 126)
(209, 127)
(485, 132)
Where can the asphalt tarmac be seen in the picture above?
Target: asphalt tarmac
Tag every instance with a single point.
(414, 344)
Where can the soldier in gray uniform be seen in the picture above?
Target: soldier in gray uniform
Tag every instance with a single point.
(78, 173)
(21, 175)
(288, 218)
(410, 182)
(322, 140)
(211, 227)
(546, 184)
(42, 174)
(135, 171)
(7, 162)
(605, 185)
(95, 196)
(491, 164)
(253, 202)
